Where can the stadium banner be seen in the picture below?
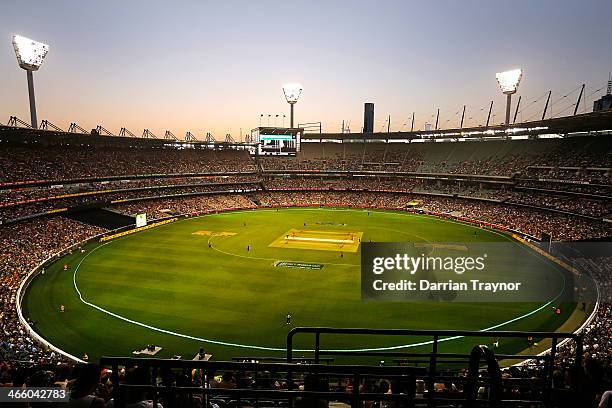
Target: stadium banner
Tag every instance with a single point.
(298, 265)
(470, 272)
(57, 210)
(132, 231)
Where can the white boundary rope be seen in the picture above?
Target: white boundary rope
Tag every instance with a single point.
(25, 283)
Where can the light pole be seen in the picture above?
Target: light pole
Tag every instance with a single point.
(30, 55)
(509, 82)
(292, 94)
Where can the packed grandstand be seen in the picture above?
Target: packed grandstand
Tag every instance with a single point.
(543, 188)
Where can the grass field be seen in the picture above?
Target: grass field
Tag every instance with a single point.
(168, 287)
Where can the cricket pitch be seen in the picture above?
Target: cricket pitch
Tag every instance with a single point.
(340, 241)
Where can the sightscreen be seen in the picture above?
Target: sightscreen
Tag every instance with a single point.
(141, 220)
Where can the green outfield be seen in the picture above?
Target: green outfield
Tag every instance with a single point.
(168, 287)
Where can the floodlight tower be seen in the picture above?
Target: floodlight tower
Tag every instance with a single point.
(292, 94)
(509, 82)
(30, 55)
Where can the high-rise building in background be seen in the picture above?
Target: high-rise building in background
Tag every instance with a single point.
(605, 102)
(368, 118)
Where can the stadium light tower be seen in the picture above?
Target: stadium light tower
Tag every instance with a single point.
(509, 82)
(292, 94)
(30, 55)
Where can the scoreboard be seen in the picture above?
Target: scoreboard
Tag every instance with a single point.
(273, 141)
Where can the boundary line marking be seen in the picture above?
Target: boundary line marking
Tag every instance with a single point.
(255, 347)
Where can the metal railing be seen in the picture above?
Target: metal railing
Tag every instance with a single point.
(261, 385)
(433, 358)
(304, 382)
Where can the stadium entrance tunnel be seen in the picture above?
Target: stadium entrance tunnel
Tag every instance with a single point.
(102, 217)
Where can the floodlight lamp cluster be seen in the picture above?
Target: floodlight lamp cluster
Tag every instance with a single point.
(292, 92)
(30, 53)
(509, 80)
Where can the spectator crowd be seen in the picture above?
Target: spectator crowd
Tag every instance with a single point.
(528, 196)
(22, 247)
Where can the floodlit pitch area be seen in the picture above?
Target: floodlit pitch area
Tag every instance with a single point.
(319, 240)
(166, 286)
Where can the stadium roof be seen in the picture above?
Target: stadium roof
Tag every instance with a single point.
(52, 137)
(588, 122)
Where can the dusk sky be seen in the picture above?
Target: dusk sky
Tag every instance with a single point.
(216, 66)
